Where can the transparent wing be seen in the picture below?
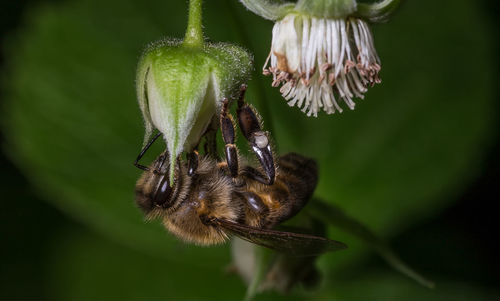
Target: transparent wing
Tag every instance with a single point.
(294, 244)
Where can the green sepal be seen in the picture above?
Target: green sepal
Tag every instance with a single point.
(377, 12)
(327, 8)
(180, 89)
(269, 9)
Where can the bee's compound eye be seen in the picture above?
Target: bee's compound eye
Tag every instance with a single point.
(163, 192)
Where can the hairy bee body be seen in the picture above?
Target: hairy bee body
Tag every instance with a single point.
(190, 206)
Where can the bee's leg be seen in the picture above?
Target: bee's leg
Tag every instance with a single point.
(250, 125)
(254, 174)
(227, 128)
(193, 159)
(158, 165)
(143, 151)
(210, 145)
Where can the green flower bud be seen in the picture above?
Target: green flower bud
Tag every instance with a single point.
(180, 89)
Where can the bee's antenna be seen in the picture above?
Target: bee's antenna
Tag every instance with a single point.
(143, 151)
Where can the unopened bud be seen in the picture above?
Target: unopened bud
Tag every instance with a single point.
(180, 89)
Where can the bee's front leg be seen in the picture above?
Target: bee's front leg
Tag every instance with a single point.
(227, 128)
(250, 125)
(193, 158)
(143, 151)
(210, 145)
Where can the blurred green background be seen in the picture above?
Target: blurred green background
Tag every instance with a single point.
(416, 161)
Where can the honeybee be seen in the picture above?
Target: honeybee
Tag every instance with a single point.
(211, 204)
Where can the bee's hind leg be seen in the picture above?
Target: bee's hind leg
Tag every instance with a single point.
(250, 125)
(227, 128)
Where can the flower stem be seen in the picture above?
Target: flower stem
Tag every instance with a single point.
(194, 31)
(262, 262)
(333, 215)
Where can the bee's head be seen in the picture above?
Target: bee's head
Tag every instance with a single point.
(153, 191)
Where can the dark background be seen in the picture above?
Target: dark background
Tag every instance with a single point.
(470, 225)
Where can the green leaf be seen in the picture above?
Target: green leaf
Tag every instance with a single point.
(379, 286)
(84, 266)
(73, 125)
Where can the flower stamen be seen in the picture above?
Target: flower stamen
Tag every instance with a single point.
(318, 61)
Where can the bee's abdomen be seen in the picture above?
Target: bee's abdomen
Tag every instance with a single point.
(300, 175)
(301, 171)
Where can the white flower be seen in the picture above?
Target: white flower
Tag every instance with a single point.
(320, 61)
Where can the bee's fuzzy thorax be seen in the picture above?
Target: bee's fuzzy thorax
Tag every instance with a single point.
(207, 195)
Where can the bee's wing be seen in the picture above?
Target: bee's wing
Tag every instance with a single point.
(294, 244)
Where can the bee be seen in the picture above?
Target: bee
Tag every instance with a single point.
(210, 205)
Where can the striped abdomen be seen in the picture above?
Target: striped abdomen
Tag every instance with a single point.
(300, 175)
(265, 206)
